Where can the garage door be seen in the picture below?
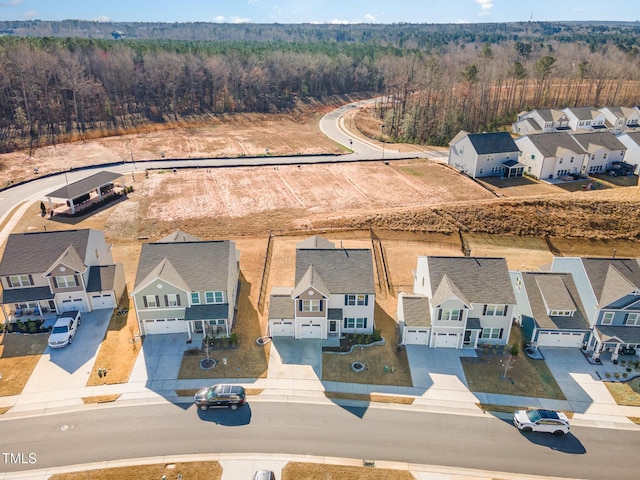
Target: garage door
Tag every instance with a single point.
(310, 330)
(106, 300)
(281, 328)
(74, 304)
(416, 336)
(447, 340)
(165, 325)
(560, 339)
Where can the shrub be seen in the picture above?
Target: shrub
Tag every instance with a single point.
(515, 349)
(377, 336)
(617, 375)
(625, 375)
(233, 338)
(608, 375)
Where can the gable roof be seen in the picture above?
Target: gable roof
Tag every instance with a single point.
(179, 236)
(85, 185)
(635, 136)
(479, 280)
(36, 252)
(200, 266)
(548, 144)
(414, 309)
(584, 113)
(494, 142)
(602, 139)
(607, 285)
(554, 292)
(311, 279)
(342, 270)
(69, 258)
(315, 241)
(447, 289)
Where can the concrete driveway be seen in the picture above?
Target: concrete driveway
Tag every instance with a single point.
(62, 373)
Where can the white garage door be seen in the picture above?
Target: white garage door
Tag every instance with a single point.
(447, 340)
(106, 300)
(416, 336)
(75, 304)
(560, 339)
(165, 325)
(281, 328)
(310, 330)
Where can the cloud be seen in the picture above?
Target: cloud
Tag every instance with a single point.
(484, 4)
(102, 19)
(30, 14)
(219, 18)
(10, 3)
(369, 18)
(239, 20)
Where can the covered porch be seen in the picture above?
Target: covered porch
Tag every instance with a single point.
(34, 303)
(472, 333)
(512, 169)
(614, 341)
(208, 321)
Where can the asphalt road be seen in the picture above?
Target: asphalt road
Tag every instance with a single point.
(110, 433)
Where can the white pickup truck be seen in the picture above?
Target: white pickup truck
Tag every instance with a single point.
(64, 329)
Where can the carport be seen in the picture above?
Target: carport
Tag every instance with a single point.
(85, 192)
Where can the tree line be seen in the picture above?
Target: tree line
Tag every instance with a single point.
(56, 88)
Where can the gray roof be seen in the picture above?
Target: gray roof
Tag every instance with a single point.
(625, 335)
(281, 306)
(611, 285)
(416, 310)
(584, 113)
(605, 139)
(528, 125)
(210, 311)
(558, 289)
(495, 142)
(334, 314)
(36, 252)
(311, 279)
(202, 266)
(31, 294)
(101, 278)
(315, 241)
(635, 136)
(548, 144)
(342, 270)
(480, 280)
(473, 324)
(85, 185)
(179, 236)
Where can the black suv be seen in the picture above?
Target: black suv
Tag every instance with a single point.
(231, 396)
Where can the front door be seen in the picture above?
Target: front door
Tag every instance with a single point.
(333, 328)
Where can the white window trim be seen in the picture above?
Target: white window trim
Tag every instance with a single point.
(448, 314)
(214, 294)
(494, 310)
(633, 319)
(172, 300)
(358, 300)
(607, 316)
(151, 301)
(561, 313)
(310, 305)
(65, 279)
(491, 333)
(197, 300)
(20, 280)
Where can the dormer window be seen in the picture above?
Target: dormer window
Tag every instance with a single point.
(561, 313)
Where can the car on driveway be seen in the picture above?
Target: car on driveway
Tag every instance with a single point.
(232, 396)
(64, 329)
(264, 475)
(541, 421)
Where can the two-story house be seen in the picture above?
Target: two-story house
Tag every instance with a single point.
(485, 154)
(334, 293)
(186, 285)
(551, 155)
(609, 289)
(603, 148)
(457, 302)
(585, 118)
(549, 309)
(44, 272)
(540, 121)
(622, 118)
(631, 140)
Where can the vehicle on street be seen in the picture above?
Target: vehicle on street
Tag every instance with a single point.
(64, 329)
(541, 421)
(264, 475)
(232, 396)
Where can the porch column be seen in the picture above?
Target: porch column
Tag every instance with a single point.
(596, 351)
(616, 353)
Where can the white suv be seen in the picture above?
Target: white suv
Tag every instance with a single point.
(64, 329)
(541, 421)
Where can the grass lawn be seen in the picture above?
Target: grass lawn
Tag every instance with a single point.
(190, 470)
(315, 471)
(625, 393)
(119, 348)
(19, 355)
(337, 367)
(527, 377)
(366, 397)
(488, 407)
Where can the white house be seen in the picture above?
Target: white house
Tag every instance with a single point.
(485, 154)
(602, 149)
(551, 155)
(622, 118)
(540, 121)
(585, 118)
(631, 140)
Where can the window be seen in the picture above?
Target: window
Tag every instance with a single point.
(607, 318)
(355, 323)
(213, 297)
(310, 305)
(495, 310)
(151, 301)
(172, 300)
(65, 281)
(632, 319)
(20, 281)
(355, 300)
(518, 283)
(561, 313)
(450, 315)
(492, 333)
(533, 157)
(195, 298)
(560, 161)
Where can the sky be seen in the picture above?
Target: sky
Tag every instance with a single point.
(320, 11)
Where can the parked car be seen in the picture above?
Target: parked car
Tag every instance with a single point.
(264, 475)
(64, 329)
(541, 421)
(232, 396)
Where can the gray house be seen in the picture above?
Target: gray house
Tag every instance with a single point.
(186, 285)
(457, 302)
(334, 293)
(485, 155)
(609, 289)
(549, 309)
(45, 272)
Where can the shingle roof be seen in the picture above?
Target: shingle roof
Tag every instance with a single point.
(495, 142)
(101, 278)
(31, 294)
(447, 289)
(415, 310)
(584, 113)
(36, 252)
(635, 136)
(315, 241)
(624, 334)
(201, 265)
(311, 278)
(548, 144)
(480, 280)
(604, 139)
(210, 311)
(558, 289)
(179, 236)
(85, 185)
(342, 270)
(597, 270)
(281, 306)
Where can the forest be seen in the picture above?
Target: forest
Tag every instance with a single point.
(61, 80)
